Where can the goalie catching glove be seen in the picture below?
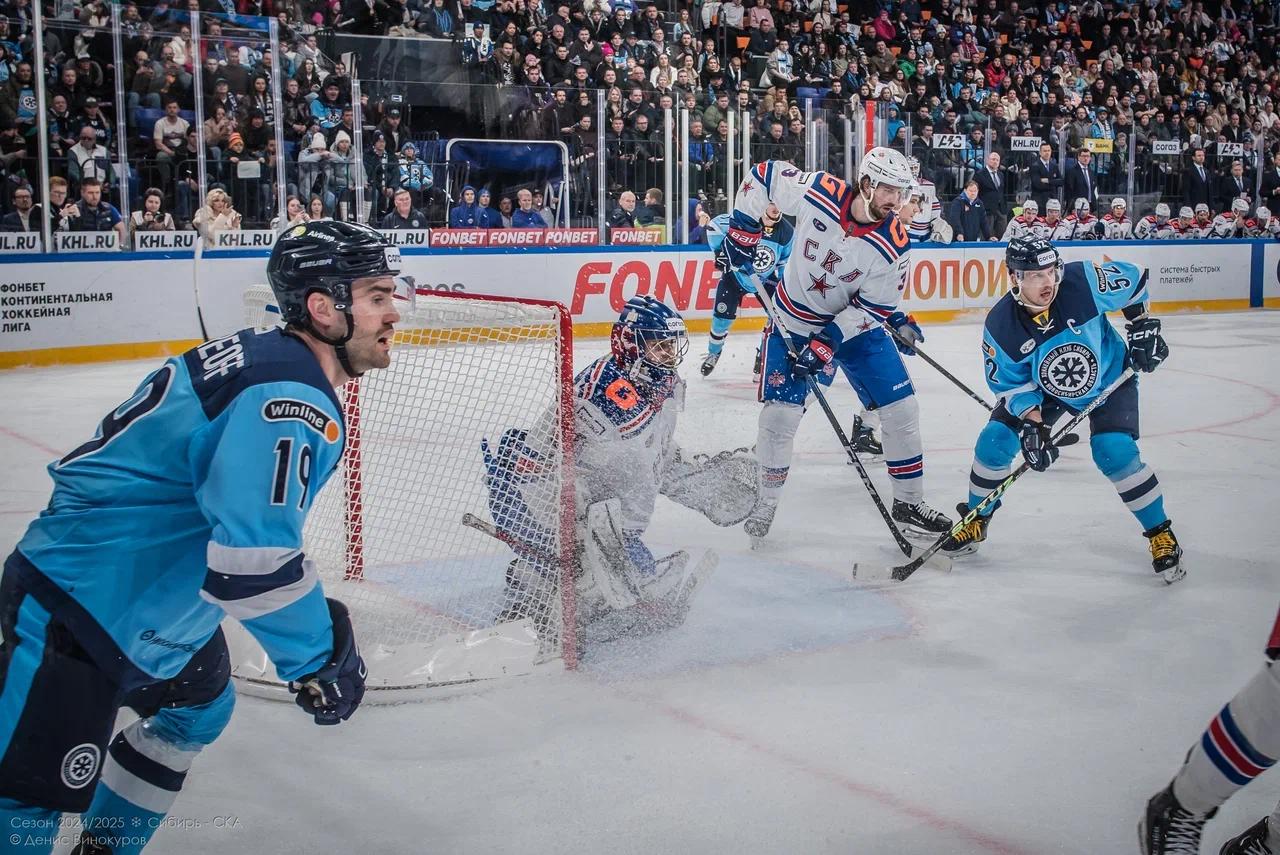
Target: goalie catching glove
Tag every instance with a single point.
(723, 488)
(332, 694)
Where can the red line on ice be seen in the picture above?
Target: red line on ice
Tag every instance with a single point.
(34, 443)
(892, 801)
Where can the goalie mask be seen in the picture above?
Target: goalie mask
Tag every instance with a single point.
(649, 341)
(1030, 255)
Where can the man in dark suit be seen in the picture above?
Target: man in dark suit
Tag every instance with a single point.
(965, 214)
(1197, 182)
(1270, 196)
(992, 185)
(1046, 178)
(1234, 186)
(1081, 182)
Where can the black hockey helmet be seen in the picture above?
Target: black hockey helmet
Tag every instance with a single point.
(326, 257)
(1025, 254)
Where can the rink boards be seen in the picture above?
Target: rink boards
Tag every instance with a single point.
(97, 307)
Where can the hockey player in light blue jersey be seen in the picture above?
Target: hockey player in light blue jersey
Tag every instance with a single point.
(1048, 348)
(185, 507)
(771, 256)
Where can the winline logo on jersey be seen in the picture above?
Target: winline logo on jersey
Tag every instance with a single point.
(293, 410)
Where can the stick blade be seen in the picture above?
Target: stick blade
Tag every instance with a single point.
(870, 572)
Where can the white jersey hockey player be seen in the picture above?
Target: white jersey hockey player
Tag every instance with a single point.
(1264, 225)
(625, 407)
(1023, 225)
(837, 293)
(1116, 224)
(1048, 224)
(1185, 225)
(1202, 225)
(1079, 225)
(1233, 223)
(1156, 226)
(928, 224)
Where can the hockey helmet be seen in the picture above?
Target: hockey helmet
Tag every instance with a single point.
(1081, 206)
(649, 340)
(326, 257)
(1202, 208)
(1186, 213)
(1031, 206)
(1263, 214)
(914, 163)
(1027, 254)
(885, 166)
(1239, 206)
(1119, 202)
(1053, 205)
(1162, 212)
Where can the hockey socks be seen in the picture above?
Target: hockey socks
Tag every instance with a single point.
(1116, 455)
(903, 449)
(719, 332)
(1241, 743)
(992, 462)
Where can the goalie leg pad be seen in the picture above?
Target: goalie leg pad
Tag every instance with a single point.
(607, 579)
(723, 488)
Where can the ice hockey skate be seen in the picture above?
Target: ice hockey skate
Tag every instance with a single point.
(1168, 828)
(966, 540)
(709, 363)
(920, 520)
(758, 524)
(1255, 840)
(863, 437)
(1166, 554)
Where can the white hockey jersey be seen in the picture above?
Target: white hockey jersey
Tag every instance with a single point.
(921, 226)
(1149, 228)
(1073, 228)
(1042, 228)
(1197, 229)
(1019, 227)
(1225, 226)
(1117, 228)
(1269, 229)
(839, 271)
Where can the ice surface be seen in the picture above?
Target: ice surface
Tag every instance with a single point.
(1029, 702)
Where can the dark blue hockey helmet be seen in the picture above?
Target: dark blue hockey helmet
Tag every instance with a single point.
(649, 339)
(1026, 254)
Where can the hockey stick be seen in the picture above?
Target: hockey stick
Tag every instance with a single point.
(522, 547)
(904, 571)
(767, 302)
(1069, 439)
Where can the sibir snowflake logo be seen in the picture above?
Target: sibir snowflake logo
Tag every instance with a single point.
(80, 765)
(1069, 371)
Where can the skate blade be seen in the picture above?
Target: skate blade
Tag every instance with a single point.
(1173, 574)
(758, 543)
(922, 534)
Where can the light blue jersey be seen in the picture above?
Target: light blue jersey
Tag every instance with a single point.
(1071, 352)
(189, 502)
(771, 253)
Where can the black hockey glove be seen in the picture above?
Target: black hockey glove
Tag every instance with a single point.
(738, 249)
(908, 332)
(332, 694)
(1146, 346)
(1036, 447)
(813, 358)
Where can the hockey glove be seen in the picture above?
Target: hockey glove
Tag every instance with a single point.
(332, 694)
(1036, 447)
(813, 358)
(908, 330)
(738, 249)
(1146, 346)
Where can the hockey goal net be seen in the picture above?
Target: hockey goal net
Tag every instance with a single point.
(429, 595)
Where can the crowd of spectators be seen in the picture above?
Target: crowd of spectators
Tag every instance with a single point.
(1201, 75)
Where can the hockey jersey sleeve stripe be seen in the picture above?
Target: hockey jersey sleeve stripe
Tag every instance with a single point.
(823, 204)
(588, 388)
(248, 560)
(764, 173)
(881, 312)
(1235, 758)
(247, 597)
(639, 420)
(882, 246)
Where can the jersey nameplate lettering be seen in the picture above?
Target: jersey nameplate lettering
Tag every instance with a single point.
(293, 410)
(221, 356)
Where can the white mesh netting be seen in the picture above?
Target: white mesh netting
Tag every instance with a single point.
(387, 532)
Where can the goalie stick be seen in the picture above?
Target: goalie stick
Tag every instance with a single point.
(1069, 439)
(766, 301)
(904, 571)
